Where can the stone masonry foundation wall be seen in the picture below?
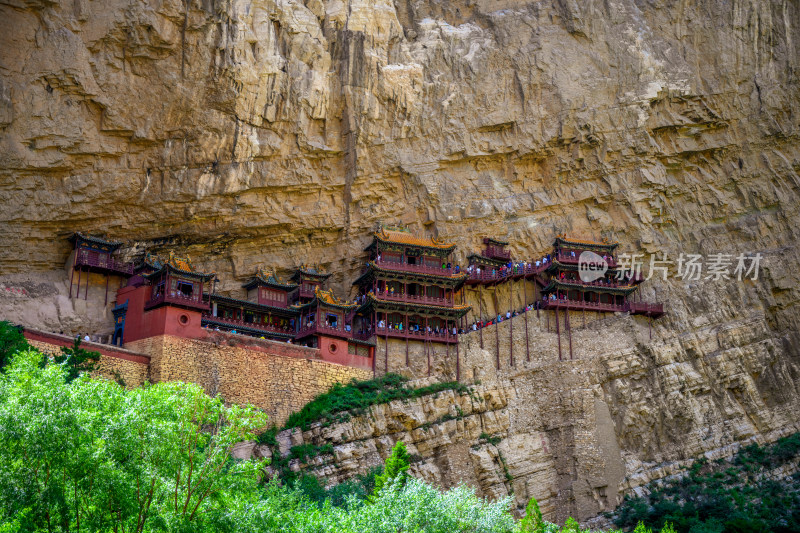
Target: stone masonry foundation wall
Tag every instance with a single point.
(114, 363)
(279, 384)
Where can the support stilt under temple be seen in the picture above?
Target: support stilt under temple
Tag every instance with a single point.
(569, 331)
(525, 307)
(458, 362)
(511, 321)
(558, 334)
(428, 353)
(496, 331)
(72, 272)
(480, 313)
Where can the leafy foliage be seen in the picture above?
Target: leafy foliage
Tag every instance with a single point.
(395, 472)
(89, 454)
(76, 360)
(725, 496)
(341, 401)
(11, 341)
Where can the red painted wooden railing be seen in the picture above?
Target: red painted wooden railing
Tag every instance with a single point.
(105, 261)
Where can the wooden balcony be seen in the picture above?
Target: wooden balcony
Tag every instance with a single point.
(322, 329)
(414, 299)
(598, 284)
(568, 259)
(635, 308)
(233, 323)
(306, 293)
(416, 269)
(443, 337)
(489, 278)
(100, 262)
(643, 308)
(179, 299)
(496, 252)
(574, 305)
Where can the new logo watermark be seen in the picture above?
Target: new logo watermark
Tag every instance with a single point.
(591, 266)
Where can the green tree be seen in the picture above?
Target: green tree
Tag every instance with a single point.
(76, 360)
(533, 521)
(91, 455)
(11, 341)
(396, 470)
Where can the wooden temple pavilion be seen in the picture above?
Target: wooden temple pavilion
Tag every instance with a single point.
(409, 289)
(494, 255)
(563, 288)
(95, 254)
(177, 283)
(308, 279)
(163, 298)
(264, 313)
(326, 324)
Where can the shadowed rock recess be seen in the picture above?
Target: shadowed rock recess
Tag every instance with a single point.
(250, 132)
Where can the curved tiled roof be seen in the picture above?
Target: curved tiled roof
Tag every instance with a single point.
(78, 236)
(182, 265)
(394, 234)
(585, 242)
(327, 297)
(269, 277)
(312, 270)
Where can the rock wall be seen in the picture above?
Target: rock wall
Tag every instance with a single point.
(133, 368)
(274, 132)
(575, 434)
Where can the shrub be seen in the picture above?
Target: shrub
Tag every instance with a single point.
(11, 341)
(356, 396)
(395, 472)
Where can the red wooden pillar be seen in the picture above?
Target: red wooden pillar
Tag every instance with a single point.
(86, 290)
(480, 311)
(458, 361)
(511, 319)
(496, 332)
(405, 318)
(525, 303)
(78, 291)
(569, 331)
(558, 334)
(72, 272)
(375, 349)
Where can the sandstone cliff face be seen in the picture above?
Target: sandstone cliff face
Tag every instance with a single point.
(273, 132)
(574, 434)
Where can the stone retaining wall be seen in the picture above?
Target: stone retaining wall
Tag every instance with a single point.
(115, 363)
(279, 378)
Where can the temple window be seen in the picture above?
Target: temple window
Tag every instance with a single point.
(185, 288)
(333, 320)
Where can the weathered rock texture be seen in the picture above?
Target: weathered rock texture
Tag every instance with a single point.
(256, 132)
(575, 434)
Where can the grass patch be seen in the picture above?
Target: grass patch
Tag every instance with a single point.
(354, 398)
